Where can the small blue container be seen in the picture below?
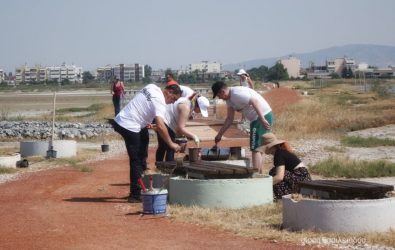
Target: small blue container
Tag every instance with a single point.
(154, 201)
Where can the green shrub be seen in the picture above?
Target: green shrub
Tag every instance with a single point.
(356, 141)
(338, 167)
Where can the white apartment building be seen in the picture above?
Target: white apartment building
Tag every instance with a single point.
(335, 66)
(42, 74)
(330, 67)
(19, 75)
(27, 74)
(64, 72)
(206, 67)
(104, 73)
(158, 75)
(54, 73)
(362, 67)
(2, 75)
(133, 73)
(292, 65)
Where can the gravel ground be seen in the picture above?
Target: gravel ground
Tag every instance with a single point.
(116, 147)
(309, 150)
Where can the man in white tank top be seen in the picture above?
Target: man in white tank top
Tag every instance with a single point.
(253, 107)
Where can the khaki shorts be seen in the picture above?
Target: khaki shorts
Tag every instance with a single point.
(257, 130)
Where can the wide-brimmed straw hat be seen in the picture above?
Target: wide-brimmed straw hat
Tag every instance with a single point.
(268, 141)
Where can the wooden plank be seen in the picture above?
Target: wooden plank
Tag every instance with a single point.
(201, 169)
(348, 188)
(322, 184)
(234, 170)
(372, 185)
(347, 185)
(231, 171)
(208, 169)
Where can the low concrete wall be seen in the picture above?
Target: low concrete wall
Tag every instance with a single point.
(9, 161)
(339, 215)
(63, 148)
(221, 193)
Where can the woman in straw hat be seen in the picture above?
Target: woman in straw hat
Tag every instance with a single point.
(288, 169)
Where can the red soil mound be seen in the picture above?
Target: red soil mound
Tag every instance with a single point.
(280, 98)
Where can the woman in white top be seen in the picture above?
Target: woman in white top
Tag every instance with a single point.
(176, 118)
(245, 79)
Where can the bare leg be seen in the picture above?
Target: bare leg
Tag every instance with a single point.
(257, 161)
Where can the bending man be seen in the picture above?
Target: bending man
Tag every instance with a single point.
(132, 121)
(253, 107)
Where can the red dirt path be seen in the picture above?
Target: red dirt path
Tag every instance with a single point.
(64, 208)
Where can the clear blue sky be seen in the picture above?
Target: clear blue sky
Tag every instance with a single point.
(174, 33)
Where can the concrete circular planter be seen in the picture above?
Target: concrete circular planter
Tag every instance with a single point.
(339, 215)
(221, 193)
(63, 148)
(9, 161)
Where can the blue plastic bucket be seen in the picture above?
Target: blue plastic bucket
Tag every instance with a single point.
(154, 201)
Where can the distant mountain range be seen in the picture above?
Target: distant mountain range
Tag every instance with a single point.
(375, 55)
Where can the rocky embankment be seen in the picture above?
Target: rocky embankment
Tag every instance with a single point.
(43, 130)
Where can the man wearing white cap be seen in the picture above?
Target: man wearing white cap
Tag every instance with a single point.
(176, 118)
(245, 79)
(253, 107)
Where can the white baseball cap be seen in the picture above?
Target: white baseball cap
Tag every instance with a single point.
(203, 103)
(241, 72)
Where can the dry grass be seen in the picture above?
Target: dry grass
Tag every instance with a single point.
(264, 222)
(256, 222)
(331, 113)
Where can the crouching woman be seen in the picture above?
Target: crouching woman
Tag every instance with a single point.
(288, 169)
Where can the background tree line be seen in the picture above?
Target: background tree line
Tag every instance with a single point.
(263, 73)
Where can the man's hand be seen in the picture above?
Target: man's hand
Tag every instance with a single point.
(266, 125)
(218, 138)
(196, 140)
(175, 147)
(151, 126)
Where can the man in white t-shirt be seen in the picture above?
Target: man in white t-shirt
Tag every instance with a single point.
(132, 121)
(253, 107)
